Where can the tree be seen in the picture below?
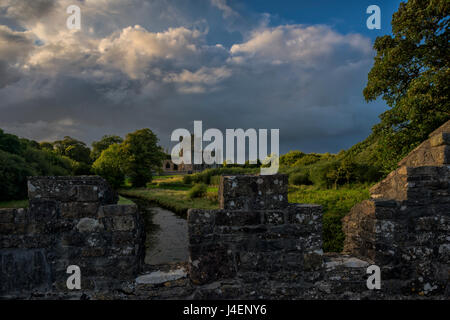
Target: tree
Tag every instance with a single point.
(77, 151)
(109, 165)
(74, 149)
(411, 73)
(103, 144)
(13, 175)
(291, 157)
(141, 155)
(46, 145)
(11, 143)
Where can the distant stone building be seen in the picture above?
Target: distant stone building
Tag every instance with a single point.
(171, 168)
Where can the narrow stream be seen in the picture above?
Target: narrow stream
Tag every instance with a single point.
(167, 239)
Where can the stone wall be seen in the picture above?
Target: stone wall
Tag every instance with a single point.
(256, 246)
(405, 227)
(257, 243)
(70, 221)
(260, 246)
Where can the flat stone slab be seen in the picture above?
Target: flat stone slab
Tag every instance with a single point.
(346, 262)
(157, 277)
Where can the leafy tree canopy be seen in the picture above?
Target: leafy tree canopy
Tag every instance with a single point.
(109, 165)
(411, 73)
(74, 149)
(142, 155)
(103, 144)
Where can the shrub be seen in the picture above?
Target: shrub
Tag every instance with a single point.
(187, 179)
(108, 166)
(300, 178)
(333, 236)
(198, 191)
(291, 157)
(212, 196)
(13, 176)
(215, 180)
(206, 175)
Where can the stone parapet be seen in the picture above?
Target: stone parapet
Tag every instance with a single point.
(70, 221)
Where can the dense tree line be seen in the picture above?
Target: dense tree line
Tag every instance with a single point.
(114, 158)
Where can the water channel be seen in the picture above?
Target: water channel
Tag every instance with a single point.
(167, 238)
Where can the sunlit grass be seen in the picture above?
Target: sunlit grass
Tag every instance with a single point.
(172, 199)
(336, 204)
(123, 200)
(171, 193)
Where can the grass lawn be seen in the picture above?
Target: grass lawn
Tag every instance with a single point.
(14, 204)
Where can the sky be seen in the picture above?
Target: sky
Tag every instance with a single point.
(298, 66)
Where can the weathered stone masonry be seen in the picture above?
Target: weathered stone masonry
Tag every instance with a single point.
(260, 246)
(405, 226)
(70, 221)
(257, 245)
(257, 241)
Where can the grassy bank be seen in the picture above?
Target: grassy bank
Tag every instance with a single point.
(171, 192)
(336, 204)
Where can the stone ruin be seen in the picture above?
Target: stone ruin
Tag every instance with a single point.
(256, 246)
(70, 221)
(405, 227)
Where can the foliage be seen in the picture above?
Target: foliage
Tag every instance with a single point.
(20, 158)
(336, 204)
(141, 156)
(74, 149)
(290, 158)
(13, 176)
(103, 144)
(198, 190)
(109, 165)
(206, 175)
(10, 143)
(171, 199)
(411, 73)
(300, 178)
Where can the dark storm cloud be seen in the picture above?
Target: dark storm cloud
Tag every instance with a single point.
(123, 72)
(26, 10)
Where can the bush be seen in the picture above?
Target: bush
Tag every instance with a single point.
(212, 196)
(206, 175)
(108, 166)
(215, 180)
(307, 160)
(318, 174)
(291, 157)
(13, 176)
(198, 191)
(187, 179)
(300, 178)
(333, 235)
